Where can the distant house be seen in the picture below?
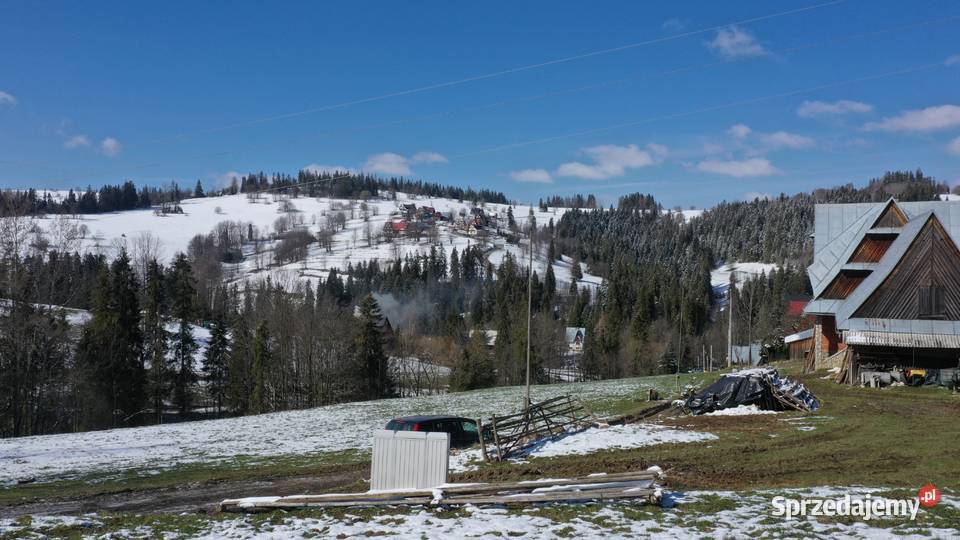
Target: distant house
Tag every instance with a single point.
(796, 305)
(886, 283)
(479, 216)
(395, 228)
(409, 210)
(574, 338)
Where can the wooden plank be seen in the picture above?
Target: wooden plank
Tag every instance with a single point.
(591, 494)
(642, 479)
(563, 496)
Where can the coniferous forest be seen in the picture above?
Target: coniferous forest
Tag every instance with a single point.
(128, 358)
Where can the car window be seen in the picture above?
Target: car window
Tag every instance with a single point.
(468, 426)
(399, 425)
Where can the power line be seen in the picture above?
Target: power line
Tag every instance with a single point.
(711, 108)
(496, 74)
(523, 99)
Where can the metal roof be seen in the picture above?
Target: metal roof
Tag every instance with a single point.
(799, 336)
(906, 326)
(833, 247)
(898, 339)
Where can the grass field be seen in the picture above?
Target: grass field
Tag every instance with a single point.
(890, 440)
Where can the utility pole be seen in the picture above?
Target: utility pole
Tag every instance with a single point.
(526, 403)
(730, 289)
(680, 337)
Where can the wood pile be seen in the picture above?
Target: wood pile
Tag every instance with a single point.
(631, 485)
(514, 432)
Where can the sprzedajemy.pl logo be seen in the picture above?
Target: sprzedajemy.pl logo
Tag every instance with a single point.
(866, 507)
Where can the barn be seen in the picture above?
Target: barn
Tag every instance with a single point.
(886, 283)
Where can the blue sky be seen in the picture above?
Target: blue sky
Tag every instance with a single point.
(697, 103)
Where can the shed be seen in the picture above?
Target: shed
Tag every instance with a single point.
(799, 344)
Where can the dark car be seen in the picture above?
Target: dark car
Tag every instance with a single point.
(463, 431)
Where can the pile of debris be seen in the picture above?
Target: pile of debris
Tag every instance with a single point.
(763, 387)
(638, 486)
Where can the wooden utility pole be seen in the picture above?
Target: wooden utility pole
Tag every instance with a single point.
(680, 336)
(730, 290)
(526, 403)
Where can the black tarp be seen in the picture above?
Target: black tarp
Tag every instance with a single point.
(755, 387)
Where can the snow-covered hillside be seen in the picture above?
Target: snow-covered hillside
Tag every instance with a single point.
(720, 276)
(360, 239)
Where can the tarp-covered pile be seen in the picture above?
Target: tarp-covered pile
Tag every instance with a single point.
(762, 387)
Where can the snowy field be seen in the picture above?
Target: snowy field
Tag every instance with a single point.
(343, 427)
(720, 276)
(690, 515)
(105, 232)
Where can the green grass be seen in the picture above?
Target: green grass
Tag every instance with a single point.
(878, 437)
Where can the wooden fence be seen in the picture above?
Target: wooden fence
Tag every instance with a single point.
(514, 432)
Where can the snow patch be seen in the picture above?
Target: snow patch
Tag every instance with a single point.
(740, 410)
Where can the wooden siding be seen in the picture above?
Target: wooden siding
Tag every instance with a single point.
(845, 283)
(872, 248)
(932, 260)
(800, 349)
(892, 216)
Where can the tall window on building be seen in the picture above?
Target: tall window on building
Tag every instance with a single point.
(931, 302)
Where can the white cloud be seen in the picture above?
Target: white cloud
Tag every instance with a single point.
(754, 195)
(428, 157)
(954, 146)
(539, 176)
(608, 160)
(809, 109)
(782, 139)
(733, 42)
(658, 150)
(77, 141)
(7, 99)
(673, 25)
(922, 120)
(110, 146)
(317, 168)
(953, 60)
(739, 131)
(388, 163)
(712, 148)
(739, 169)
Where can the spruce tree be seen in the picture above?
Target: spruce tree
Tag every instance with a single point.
(474, 368)
(549, 287)
(110, 350)
(368, 351)
(454, 269)
(182, 294)
(262, 356)
(575, 269)
(215, 361)
(240, 365)
(155, 337)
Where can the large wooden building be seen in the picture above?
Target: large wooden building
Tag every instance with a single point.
(886, 284)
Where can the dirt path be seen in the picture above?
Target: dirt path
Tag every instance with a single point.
(188, 498)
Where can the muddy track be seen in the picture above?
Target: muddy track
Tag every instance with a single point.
(187, 498)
